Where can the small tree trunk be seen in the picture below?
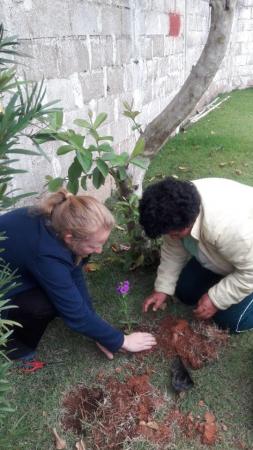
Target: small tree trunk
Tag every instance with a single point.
(159, 130)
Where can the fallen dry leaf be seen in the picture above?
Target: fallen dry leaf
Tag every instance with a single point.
(120, 228)
(153, 425)
(60, 443)
(80, 445)
(222, 164)
(202, 403)
(92, 267)
(238, 171)
(224, 427)
(183, 168)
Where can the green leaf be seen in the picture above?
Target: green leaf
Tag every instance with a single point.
(56, 119)
(103, 167)
(77, 140)
(73, 186)
(105, 148)
(85, 159)
(55, 184)
(82, 123)
(100, 119)
(97, 178)
(64, 149)
(75, 170)
(105, 138)
(131, 114)
(140, 162)
(94, 134)
(138, 149)
(84, 182)
(122, 173)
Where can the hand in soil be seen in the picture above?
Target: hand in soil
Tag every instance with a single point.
(156, 299)
(181, 379)
(137, 342)
(107, 353)
(205, 309)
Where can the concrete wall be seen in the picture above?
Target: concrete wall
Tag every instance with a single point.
(96, 53)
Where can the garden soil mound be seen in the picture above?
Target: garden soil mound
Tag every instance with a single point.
(124, 410)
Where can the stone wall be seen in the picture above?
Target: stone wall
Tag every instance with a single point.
(97, 53)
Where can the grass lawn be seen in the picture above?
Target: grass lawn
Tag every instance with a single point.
(221, 145)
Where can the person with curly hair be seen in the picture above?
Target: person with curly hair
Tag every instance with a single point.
(207, 250)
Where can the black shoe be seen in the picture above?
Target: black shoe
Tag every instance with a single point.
(181, 379)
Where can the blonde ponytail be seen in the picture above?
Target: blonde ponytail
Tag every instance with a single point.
(79, 215)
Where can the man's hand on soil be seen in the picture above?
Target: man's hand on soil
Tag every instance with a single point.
(205, 309)
(156, 299)
(107, 353)
(137, 342)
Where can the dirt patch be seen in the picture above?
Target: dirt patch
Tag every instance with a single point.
(126, 410)
(80, 406)
(122, 411)
(197, 343)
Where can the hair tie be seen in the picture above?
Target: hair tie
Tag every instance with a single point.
(68, 195)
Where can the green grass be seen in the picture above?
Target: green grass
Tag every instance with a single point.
(224, 136)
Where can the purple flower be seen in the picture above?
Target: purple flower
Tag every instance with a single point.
(123, 287)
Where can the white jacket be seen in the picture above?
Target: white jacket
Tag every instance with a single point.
(224, 230)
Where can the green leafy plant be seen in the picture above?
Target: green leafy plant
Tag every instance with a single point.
(21, 110)
(142, 251)
(95, 161)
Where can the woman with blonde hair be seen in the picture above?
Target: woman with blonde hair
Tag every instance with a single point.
(46, 245)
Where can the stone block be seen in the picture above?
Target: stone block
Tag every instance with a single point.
(245, 13)
(126, 21)
(85, 18)
(156, 23)
(114, 81)
(145, 47)
(158, 46)
(158, 5)
(101, 51)
(111, 20)
(61, 89)
(92, 84)
(125, 50)
(107, 105)
(120, 130)
(72, 56)
(32, 23)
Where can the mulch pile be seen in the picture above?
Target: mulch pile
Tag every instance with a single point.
(122, 411)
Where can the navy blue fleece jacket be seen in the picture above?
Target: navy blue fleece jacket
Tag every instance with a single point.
(43, 260)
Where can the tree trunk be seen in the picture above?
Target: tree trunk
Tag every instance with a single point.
(200, 77)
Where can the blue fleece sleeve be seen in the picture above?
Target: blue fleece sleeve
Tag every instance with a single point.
(55, 277)
(78, 278)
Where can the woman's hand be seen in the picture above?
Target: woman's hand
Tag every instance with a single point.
(156, 299)
(107, 353)
(205, 309)
(137, 342)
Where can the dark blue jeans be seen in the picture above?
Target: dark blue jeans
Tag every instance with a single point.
(195, 280)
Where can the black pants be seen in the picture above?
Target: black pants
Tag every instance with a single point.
(34, 312)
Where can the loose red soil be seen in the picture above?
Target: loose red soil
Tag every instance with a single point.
(125, 410)
(121, 411)
(196, 344)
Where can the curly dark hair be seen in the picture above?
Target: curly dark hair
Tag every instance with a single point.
(169, 205)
